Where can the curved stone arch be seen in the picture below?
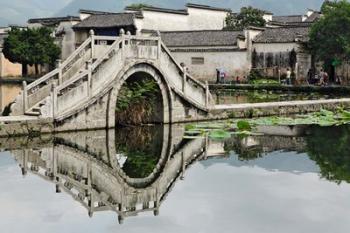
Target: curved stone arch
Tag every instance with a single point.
(125, 74)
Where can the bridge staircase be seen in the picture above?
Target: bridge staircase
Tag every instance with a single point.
(90, 70)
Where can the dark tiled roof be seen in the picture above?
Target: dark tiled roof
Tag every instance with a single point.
(52, 21)
(288, 18)
(205, 7)
(92, 12)
(201, 38)
(283, 35)
(314, 17)
(107, 21)
(157, 9)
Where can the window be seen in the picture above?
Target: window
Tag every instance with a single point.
(197, 60)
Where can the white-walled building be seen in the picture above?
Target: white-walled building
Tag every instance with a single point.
(203, 52)
(274, 49)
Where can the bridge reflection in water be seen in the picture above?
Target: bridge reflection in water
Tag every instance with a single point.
(130, 170)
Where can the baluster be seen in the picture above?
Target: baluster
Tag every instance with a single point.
(89, 69)
(92, 35)
(59, 67)
(207, 94)
(54, 100)
(25, 97)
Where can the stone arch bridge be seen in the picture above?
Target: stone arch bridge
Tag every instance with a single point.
(81, 93)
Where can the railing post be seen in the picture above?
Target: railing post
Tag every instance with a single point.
(54, 100)
(92, 35)
(207, 94)
(184, 75)
(89, 69)
(122, 35)
(25, 97)
(159, 48)
(59, 67)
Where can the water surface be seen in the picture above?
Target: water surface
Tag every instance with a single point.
(151, 180)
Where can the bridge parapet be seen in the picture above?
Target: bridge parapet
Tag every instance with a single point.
(98, 63)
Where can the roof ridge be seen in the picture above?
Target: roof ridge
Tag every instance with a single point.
(204, 30)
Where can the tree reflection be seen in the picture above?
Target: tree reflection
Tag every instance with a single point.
(141, 147)
(330, 149)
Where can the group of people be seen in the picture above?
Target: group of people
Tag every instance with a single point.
(322, 78)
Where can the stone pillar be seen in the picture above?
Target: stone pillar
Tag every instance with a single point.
(25, 96)
(59, 67)
(92, 35)
(184, 71)
(54, 100)
(89, 69)
(207, 94)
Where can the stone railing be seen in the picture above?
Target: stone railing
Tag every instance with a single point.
(88, 83)
(108, 56)
(41, 88)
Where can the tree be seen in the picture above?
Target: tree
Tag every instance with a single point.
(330, 36)
(248, 16)
(31, 47)
(139, 6)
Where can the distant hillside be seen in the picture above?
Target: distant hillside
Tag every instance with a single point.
(18, 11)
(277, 6)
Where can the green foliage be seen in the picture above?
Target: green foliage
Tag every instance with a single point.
(31, 47)
(244, 125)
(254, 75)
(248, 16)
(142, 147)
(137, 101)
(330, 36)
(136, 92)
(139, 6)
(247, 126)
(329, 148)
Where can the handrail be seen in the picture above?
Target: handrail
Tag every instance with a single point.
(72, 80)
(63, 65)
(76, 52)
(180, 68)
(105, 37)
(99, 61)
(42, 79)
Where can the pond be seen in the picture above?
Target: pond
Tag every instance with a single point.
(151, 179)
(260, 96)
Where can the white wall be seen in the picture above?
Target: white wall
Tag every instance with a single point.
(197, 19)
(162, 21)
(201, 19)
(234, 62)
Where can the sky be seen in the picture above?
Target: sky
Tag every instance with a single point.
(19, 11)
(214, 197)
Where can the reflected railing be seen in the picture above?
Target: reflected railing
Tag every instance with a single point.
(132, 170)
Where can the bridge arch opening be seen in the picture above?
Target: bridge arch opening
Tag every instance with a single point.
(139, 101)
(140, 96)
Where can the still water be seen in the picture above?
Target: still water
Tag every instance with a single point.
(152, 180)
(260, 96)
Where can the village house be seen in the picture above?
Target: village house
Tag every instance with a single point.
(150, 19)
(277, 49)
(196, 38)
(207, 51)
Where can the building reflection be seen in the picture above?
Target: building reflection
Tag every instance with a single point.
(132, 170)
